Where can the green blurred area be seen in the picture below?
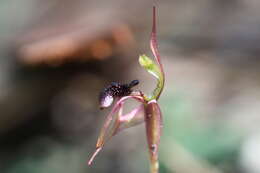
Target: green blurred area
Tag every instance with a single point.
(214, 143)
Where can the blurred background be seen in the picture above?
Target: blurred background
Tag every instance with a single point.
(57, 55)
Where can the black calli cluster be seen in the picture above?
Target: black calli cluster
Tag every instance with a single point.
(115, 89)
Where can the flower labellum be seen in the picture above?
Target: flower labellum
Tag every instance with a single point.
(114, 90)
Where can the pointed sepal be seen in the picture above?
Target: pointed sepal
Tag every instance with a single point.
(154, 67)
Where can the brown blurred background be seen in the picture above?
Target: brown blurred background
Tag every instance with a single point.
(56, 55)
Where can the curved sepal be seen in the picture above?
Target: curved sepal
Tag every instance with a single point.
(155, 68)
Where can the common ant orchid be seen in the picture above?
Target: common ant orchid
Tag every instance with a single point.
(148, 111)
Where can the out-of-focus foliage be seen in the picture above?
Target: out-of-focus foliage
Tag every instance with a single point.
(215, 143)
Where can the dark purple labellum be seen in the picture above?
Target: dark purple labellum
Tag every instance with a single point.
(114, 90)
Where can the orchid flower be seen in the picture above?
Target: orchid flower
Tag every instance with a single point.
(148, 110)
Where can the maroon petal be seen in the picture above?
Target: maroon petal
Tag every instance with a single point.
(116, 122)
(153, 122)
(131, 119)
